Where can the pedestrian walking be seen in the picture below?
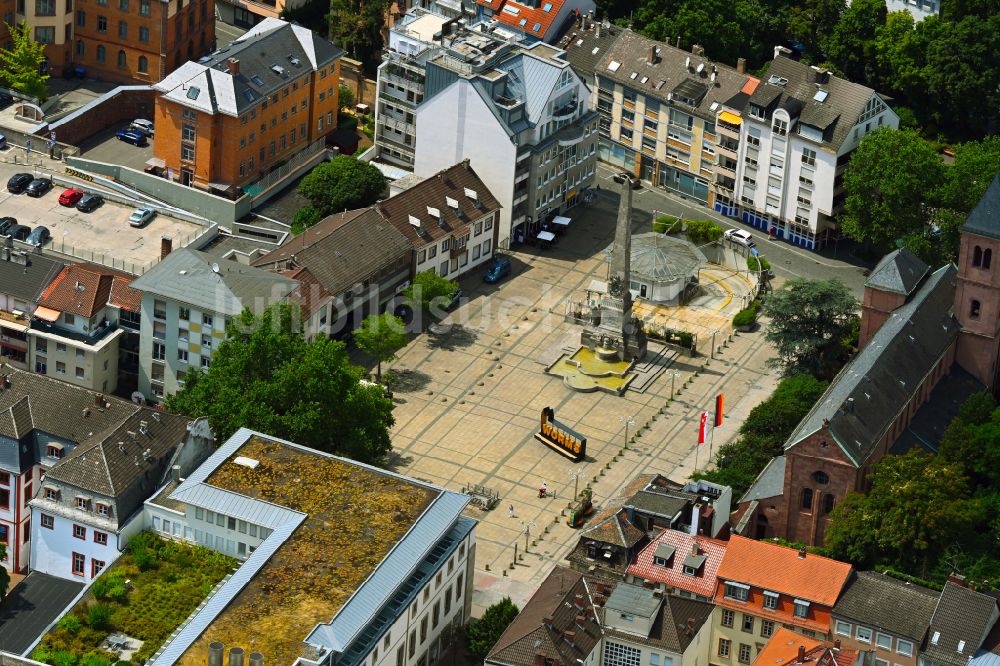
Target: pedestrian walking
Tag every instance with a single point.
(510, 510)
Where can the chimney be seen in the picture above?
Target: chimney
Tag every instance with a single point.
(99, 399)
(651, 59)
(697, 50)
(802, 553)
(256, 659)
(234, 68)
(957, 579)
(694, 548)
(580, 619)
(539, 659)
(741, 66)
(836, 644)
(236, 656)
(215, 650)
(166, 246)
(579, 601)
(568, 636)
(547, 621)
(802, 654)
(175, 474)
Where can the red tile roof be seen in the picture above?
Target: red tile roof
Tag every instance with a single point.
(492, 4)
(527, 17)
(122, 295)
(780, 569)
(77, 291)
(783, 650)
(674, 576)
(310, 294)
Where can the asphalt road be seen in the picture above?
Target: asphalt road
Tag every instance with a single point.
(786, 260)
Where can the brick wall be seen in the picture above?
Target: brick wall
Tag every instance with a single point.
(875, 309)
(120, 108)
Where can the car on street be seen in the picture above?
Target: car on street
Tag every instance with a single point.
(38, 187)
(39, 236)
(626, 177)
(19, 182)
(89, 202)
(740, 236)
(70, 197)
(133, 137)
(5, 224)
(18, 232)
(141, 217)
(142, 126)
(498, 269)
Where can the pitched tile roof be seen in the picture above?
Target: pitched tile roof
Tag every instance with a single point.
(77, 291)
(702, 584)
(676, 624)
(533, 21)
(862, 402)
(985, 217)
(26, 277)
(556, 598)
(780, 569)
(898, 272)
(586, 47)
(961, 621)
(310, 294)
(448, 192)
(612, 526)
(122, 294)
(887, 603)
(783, 650)
(342, 250)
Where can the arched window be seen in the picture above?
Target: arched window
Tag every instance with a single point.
(143, 65)
(977, 257)
(975, 308)
(121, 59)
(827, 503)
(987, 257)
(821, 478)
(101, 53)
(807, 499)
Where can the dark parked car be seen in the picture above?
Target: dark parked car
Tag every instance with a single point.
(5, 224)
(89, 202)
(5, 100)
(19, 182)
(3, 141)
(39, 236)
(38, 187)
(19, 232)
(625, 176)
(133, 137)
(498, 270)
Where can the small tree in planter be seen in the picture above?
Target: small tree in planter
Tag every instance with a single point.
(746, 319)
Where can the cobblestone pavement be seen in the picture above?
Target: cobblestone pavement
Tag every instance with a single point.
(468, 404)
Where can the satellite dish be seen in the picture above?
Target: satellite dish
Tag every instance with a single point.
(215, 267)
(138, 398)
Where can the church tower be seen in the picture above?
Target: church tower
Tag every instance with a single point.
(977, 296)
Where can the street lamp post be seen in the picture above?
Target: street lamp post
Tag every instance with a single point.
(575, 475)
(626, 421)
(528, 524)
(713, 342)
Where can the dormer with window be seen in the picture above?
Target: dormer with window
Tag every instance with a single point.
(694, 564)
(737, 591)
(802, 608)
(51, 493)
(771, 600)
(664, 556)
(54, 450)
(83, 503)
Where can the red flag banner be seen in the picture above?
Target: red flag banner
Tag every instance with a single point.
(720, 404)
(702, 427)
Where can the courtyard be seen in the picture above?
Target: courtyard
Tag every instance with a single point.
(469, 396)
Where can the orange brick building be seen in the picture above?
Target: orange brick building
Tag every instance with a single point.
(247, 109)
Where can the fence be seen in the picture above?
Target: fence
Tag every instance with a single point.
(261, 189)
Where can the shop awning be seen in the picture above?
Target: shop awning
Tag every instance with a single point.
(730, 118)
(546, 236)
(561, 221)
(46, 314)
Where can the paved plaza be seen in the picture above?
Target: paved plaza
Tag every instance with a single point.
(469, 399)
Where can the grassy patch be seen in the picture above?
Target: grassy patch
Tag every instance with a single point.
(167, 581)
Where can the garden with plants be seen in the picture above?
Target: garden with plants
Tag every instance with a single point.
(146, 594)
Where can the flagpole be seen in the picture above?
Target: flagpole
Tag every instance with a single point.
(711, 441)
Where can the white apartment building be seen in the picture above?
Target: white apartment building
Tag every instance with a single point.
(919, 9)
(798, 131)
(520, 115)
(187, 300)
(402, 613)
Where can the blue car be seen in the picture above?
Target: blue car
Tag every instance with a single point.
(133, 137)
(498, 270)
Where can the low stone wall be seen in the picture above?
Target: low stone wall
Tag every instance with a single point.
(121, 105)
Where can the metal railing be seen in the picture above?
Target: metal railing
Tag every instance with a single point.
(276, 175)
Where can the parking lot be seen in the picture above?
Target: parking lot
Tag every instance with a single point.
(102, 235)
(104, 147)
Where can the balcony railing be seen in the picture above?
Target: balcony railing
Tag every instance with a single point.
(565, 111)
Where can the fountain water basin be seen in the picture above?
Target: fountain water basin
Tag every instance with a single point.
(598, 369)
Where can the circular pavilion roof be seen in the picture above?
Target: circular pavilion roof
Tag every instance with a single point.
(665, 258)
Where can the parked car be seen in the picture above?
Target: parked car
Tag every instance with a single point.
(39, 236)
(76, 72)
(89, 202)
(38, 187)
(141, 217)
(5, 224)
(740, 236)
(3, 141)
(498, 270)
(18, 232)
(142, 126)
(70, 197)
(627, 177)
(19, 182)
(5, 100)
(132, 136)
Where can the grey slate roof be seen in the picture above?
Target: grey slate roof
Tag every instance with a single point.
(985, 217)
(898, 272)
(929, 423)
(770, 482)
(628, 598)
(670, 627)
(27, 281)
(660, 504)
(586, 48)
(835, 116)
(188, 276)
(888, 604)
(863, 400)
(962, 617)
(31, 606)
(660, 257)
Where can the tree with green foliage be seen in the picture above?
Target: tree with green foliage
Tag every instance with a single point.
(483, 633)
(429, 292)
(890, 183)
(809, 323)
(21, 64)
(851, 44)
(976, 164)
(345, 97)
(381, 336)
(356, 25)
(4, 576)
(972, 440)
(305, 217)
(312, 14)
(700, 232)
(813, 22)
(266, 376)
(918, 505)
(343, 183)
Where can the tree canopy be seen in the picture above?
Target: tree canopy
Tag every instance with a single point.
(268, 377)
(20, 65)
(700, 232)
(483, 633)
(356, 25)
(430, 292)
(810, 320)
(343, 183)
(381, 336)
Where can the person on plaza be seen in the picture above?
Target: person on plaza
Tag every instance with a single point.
(510, 510)
(544, 490)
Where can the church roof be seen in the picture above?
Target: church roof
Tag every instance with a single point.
(985, 217)
(899, 272)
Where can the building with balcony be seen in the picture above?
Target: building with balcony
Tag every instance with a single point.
(23, 278)
(520, 115)
(268, 97)
(919, 9)
(537, 20)
(186, 301)
(77, 330)
(799, 129)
